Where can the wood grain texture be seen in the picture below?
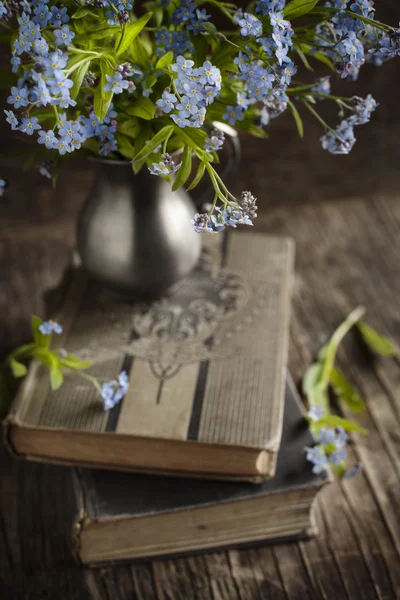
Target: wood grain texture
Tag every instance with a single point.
(344, 214)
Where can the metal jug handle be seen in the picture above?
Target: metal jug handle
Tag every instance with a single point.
(232, 139)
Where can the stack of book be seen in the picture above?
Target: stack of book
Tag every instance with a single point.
(211, 429)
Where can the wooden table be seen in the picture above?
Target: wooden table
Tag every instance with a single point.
(344, 214)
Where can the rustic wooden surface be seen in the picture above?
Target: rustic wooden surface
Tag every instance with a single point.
(344, 214)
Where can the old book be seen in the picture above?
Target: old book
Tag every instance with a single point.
(206, 366)
(126, 516)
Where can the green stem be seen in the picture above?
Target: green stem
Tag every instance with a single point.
(90, 378)
(334, 343)
(121, 38)
(319, 118)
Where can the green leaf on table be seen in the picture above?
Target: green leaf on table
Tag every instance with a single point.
(73, 362)
(42, 340)
(335, 421)
(198, 177)
(165, 60)
(56, 376)
(152, 144)
(310, 380)
(184, 170)
(297, 118)
(346, 392)
(298, 8)
(376, 341)
(142, 107)
(130, 32)
(18, 369)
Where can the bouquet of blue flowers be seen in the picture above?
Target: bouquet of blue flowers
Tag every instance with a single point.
(145, 83)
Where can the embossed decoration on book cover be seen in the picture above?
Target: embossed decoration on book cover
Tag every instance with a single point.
(206, 366)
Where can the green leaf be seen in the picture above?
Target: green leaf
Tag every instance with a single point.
(324, 59)
(302, 57)
(73, 362)
(198, 177)
(297, 118)
(375, 340)
(77, 77)
(138, 53)
(102, 99)
(152, 144)
(310, 379)
(125, 146)
(53, 362)
(84, 12)
(165, 61)
(56, 376)
(143, 108)
(346, 392)
(42, 340)
(130, 127)
(298, 8)
(17, 368)
(97, 34)
(184, 170)
(335, 421)
(130, 32)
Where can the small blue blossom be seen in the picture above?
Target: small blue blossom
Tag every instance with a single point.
(198, 118)
(250, 25)
(363, 110)
(341, 141)
(326, 436)
(213, 144)
(341, 437)
(19, 97)
(21, 45)
(164, 168)
(12, 119)
(277, 20)
(317, 458)
(183, 66)
(64, 36)
(3, 10)
(3, 186)
(58, 16)
(116, 83)
(29, 125)
(113, 391)
(48, 138)
(112, 17)
(48, 327)
(353, 471)
(338, 456)
(107, 147)
(42, 15)
(187, 107)
(41, 47)
(15, 61)
(167, 102)
(180, 121)
(233, 114)
(323, 86)
(315, 413)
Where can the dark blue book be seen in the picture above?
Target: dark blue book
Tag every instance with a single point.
(127, 517)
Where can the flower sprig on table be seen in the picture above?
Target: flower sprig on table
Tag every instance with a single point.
(94, 77)
(331, 431)
(58, 361)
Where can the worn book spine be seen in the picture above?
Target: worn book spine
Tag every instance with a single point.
(206, 364)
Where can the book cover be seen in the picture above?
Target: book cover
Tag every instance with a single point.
(127, 516)
(206, 365)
